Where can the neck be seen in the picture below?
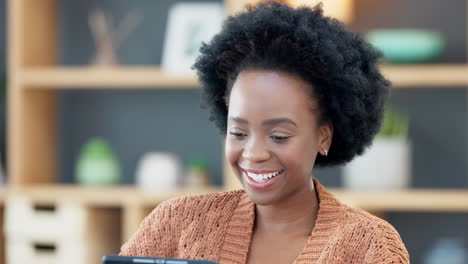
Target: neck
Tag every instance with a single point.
(295, 215)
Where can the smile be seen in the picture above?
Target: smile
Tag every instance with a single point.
(263, 176)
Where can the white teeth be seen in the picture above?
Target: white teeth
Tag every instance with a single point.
(262, 177)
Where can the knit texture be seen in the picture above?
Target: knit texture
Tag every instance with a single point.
(219, 227)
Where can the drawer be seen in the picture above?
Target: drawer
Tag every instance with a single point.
(58, 251)
(52, 220)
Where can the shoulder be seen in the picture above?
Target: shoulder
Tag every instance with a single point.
(383, 242)
(360, 220)
(358, 217)
(179, 218)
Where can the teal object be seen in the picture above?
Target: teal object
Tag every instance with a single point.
(97, 164)
(447, 251)
(407, 46)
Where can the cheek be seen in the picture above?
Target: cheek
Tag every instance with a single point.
(299, 157)
(232, 151)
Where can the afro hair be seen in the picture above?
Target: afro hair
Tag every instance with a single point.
(341, 68)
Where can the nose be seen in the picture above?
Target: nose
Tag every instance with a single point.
(255, 151)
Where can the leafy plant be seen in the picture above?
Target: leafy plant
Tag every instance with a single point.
(395, 124)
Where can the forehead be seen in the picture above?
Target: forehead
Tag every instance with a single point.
(270, 93)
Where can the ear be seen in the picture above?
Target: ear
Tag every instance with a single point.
(325, 137)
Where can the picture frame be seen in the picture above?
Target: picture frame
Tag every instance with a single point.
(189, 24)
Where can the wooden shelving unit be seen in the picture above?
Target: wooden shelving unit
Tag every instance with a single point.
(104, 78)
(104, 196)
(425, 76)
(137, 203)
(3, 195)
(35, 78)
(436, 75)
(402, 200)
(406, 200)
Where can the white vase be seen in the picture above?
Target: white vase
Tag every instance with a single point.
(386, 165)
(158, 171)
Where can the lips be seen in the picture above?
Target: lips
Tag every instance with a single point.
(261, 177)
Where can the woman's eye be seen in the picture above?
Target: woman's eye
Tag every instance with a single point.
(279, 139)
(238, 135)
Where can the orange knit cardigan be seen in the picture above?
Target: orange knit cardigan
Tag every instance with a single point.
(219, 227)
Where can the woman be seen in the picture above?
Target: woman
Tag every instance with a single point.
(291, 90)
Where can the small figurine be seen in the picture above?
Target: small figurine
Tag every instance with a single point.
(108, 37)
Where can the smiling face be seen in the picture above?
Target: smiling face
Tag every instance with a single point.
(273, 134)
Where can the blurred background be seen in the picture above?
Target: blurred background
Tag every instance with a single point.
(101, 98)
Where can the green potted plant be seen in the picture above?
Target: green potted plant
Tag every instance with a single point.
(394, 125)
(197, 174)
(387, 163)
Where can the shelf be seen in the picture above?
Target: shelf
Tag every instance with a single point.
(104, 77)
(105, 196)
(406, 200)
(424, 76)
(116, 196)
(403, 76)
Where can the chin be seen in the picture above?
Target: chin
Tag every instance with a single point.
(262, 198)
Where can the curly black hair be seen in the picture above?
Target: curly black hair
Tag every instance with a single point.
(341, 67)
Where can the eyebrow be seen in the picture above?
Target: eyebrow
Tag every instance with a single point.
(274, 121)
